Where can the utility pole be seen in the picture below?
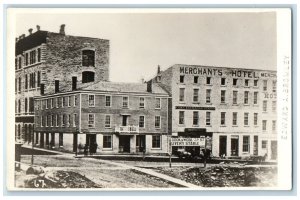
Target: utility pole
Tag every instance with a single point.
(205, 153)
(170, 151)
(32, 148)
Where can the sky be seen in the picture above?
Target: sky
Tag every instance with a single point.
(141, 41)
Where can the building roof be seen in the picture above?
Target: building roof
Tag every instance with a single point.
(123, 87)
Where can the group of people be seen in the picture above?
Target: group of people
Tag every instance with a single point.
(90, 149)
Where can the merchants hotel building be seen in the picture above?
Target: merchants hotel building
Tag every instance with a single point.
(64, 101)
(234, 108)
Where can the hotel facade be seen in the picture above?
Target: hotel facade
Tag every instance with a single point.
(235, 109)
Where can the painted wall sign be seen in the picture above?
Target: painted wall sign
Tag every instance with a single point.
(188, 141)
(194, 108)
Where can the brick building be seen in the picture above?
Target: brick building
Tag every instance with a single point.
(118, 117)
(48, 62)
(235, 108)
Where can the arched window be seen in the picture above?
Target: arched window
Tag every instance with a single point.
(88, 58)
(88, 77)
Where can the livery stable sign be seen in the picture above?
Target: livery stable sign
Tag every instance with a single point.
(188, 141)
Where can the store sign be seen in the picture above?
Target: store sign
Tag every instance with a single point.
(188, 141)
(194, 108)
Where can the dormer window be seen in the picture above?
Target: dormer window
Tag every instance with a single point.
(88, 58)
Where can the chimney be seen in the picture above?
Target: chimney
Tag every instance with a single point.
(62, 29)
(30, 31)
(149, 86)
(158, 69)
(17, 39)
(38, 27)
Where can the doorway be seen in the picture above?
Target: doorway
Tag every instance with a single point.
(140, 143)
(235, 146)
(124, 143)
(223, 146)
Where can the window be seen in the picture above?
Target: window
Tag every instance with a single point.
(38, 78)
(208, 80)
(47, 120)
(107, 101)
(39, 54)
(156, 141)
(26, 81)
(91, 120)
(234, 118)
(181, 94)
(208, 95)
(32, 55)
(16, 64)
(31, 105)
(223, 81)
(274, 86)
(255, 82)
(196, 95)
(26, 105)
(264, 125)
(195, 118)
(88, 58)
(234, 81)
(20, 62)
(157, 103)
(91, 100)
(56, 102)
(157, 121)
(88, 76)
(265, 106)
(265, 85)
(20, 83)
(107, 141)
(51, 120)
(69, 120)
(223, 114)
(60, 139)
(62, 102)
(196, 78)
(158, 78)
(246, 143)
(74, 120)
(19, 108)
(234, 98)
(107, 121)
(246, 82)
(142, 121)
(57, 120)
(255, 119)
(181, 117)
(16, 85)
(69, 101)
(273, 125)
(273, 106)
(52, 102)
(208, 118)
(255, 98)
(75, 100)
(181, 79)
(246, 119)
(26, 59)
(223, 92)
(63, 120)
(264, 144)
(125, 102)
(142, 102)
(246, 97)
(47, 103)
(42, 121)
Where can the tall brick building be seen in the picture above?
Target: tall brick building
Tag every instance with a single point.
(235, 108)
(118, 117)
(48, 62)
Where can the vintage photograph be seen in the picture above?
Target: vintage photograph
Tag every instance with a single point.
(145, 99)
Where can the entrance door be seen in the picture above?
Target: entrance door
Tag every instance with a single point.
(124, 143)
(91, 141)
(223, 145)
(140, 143)
(273, 150)
(235, 146)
